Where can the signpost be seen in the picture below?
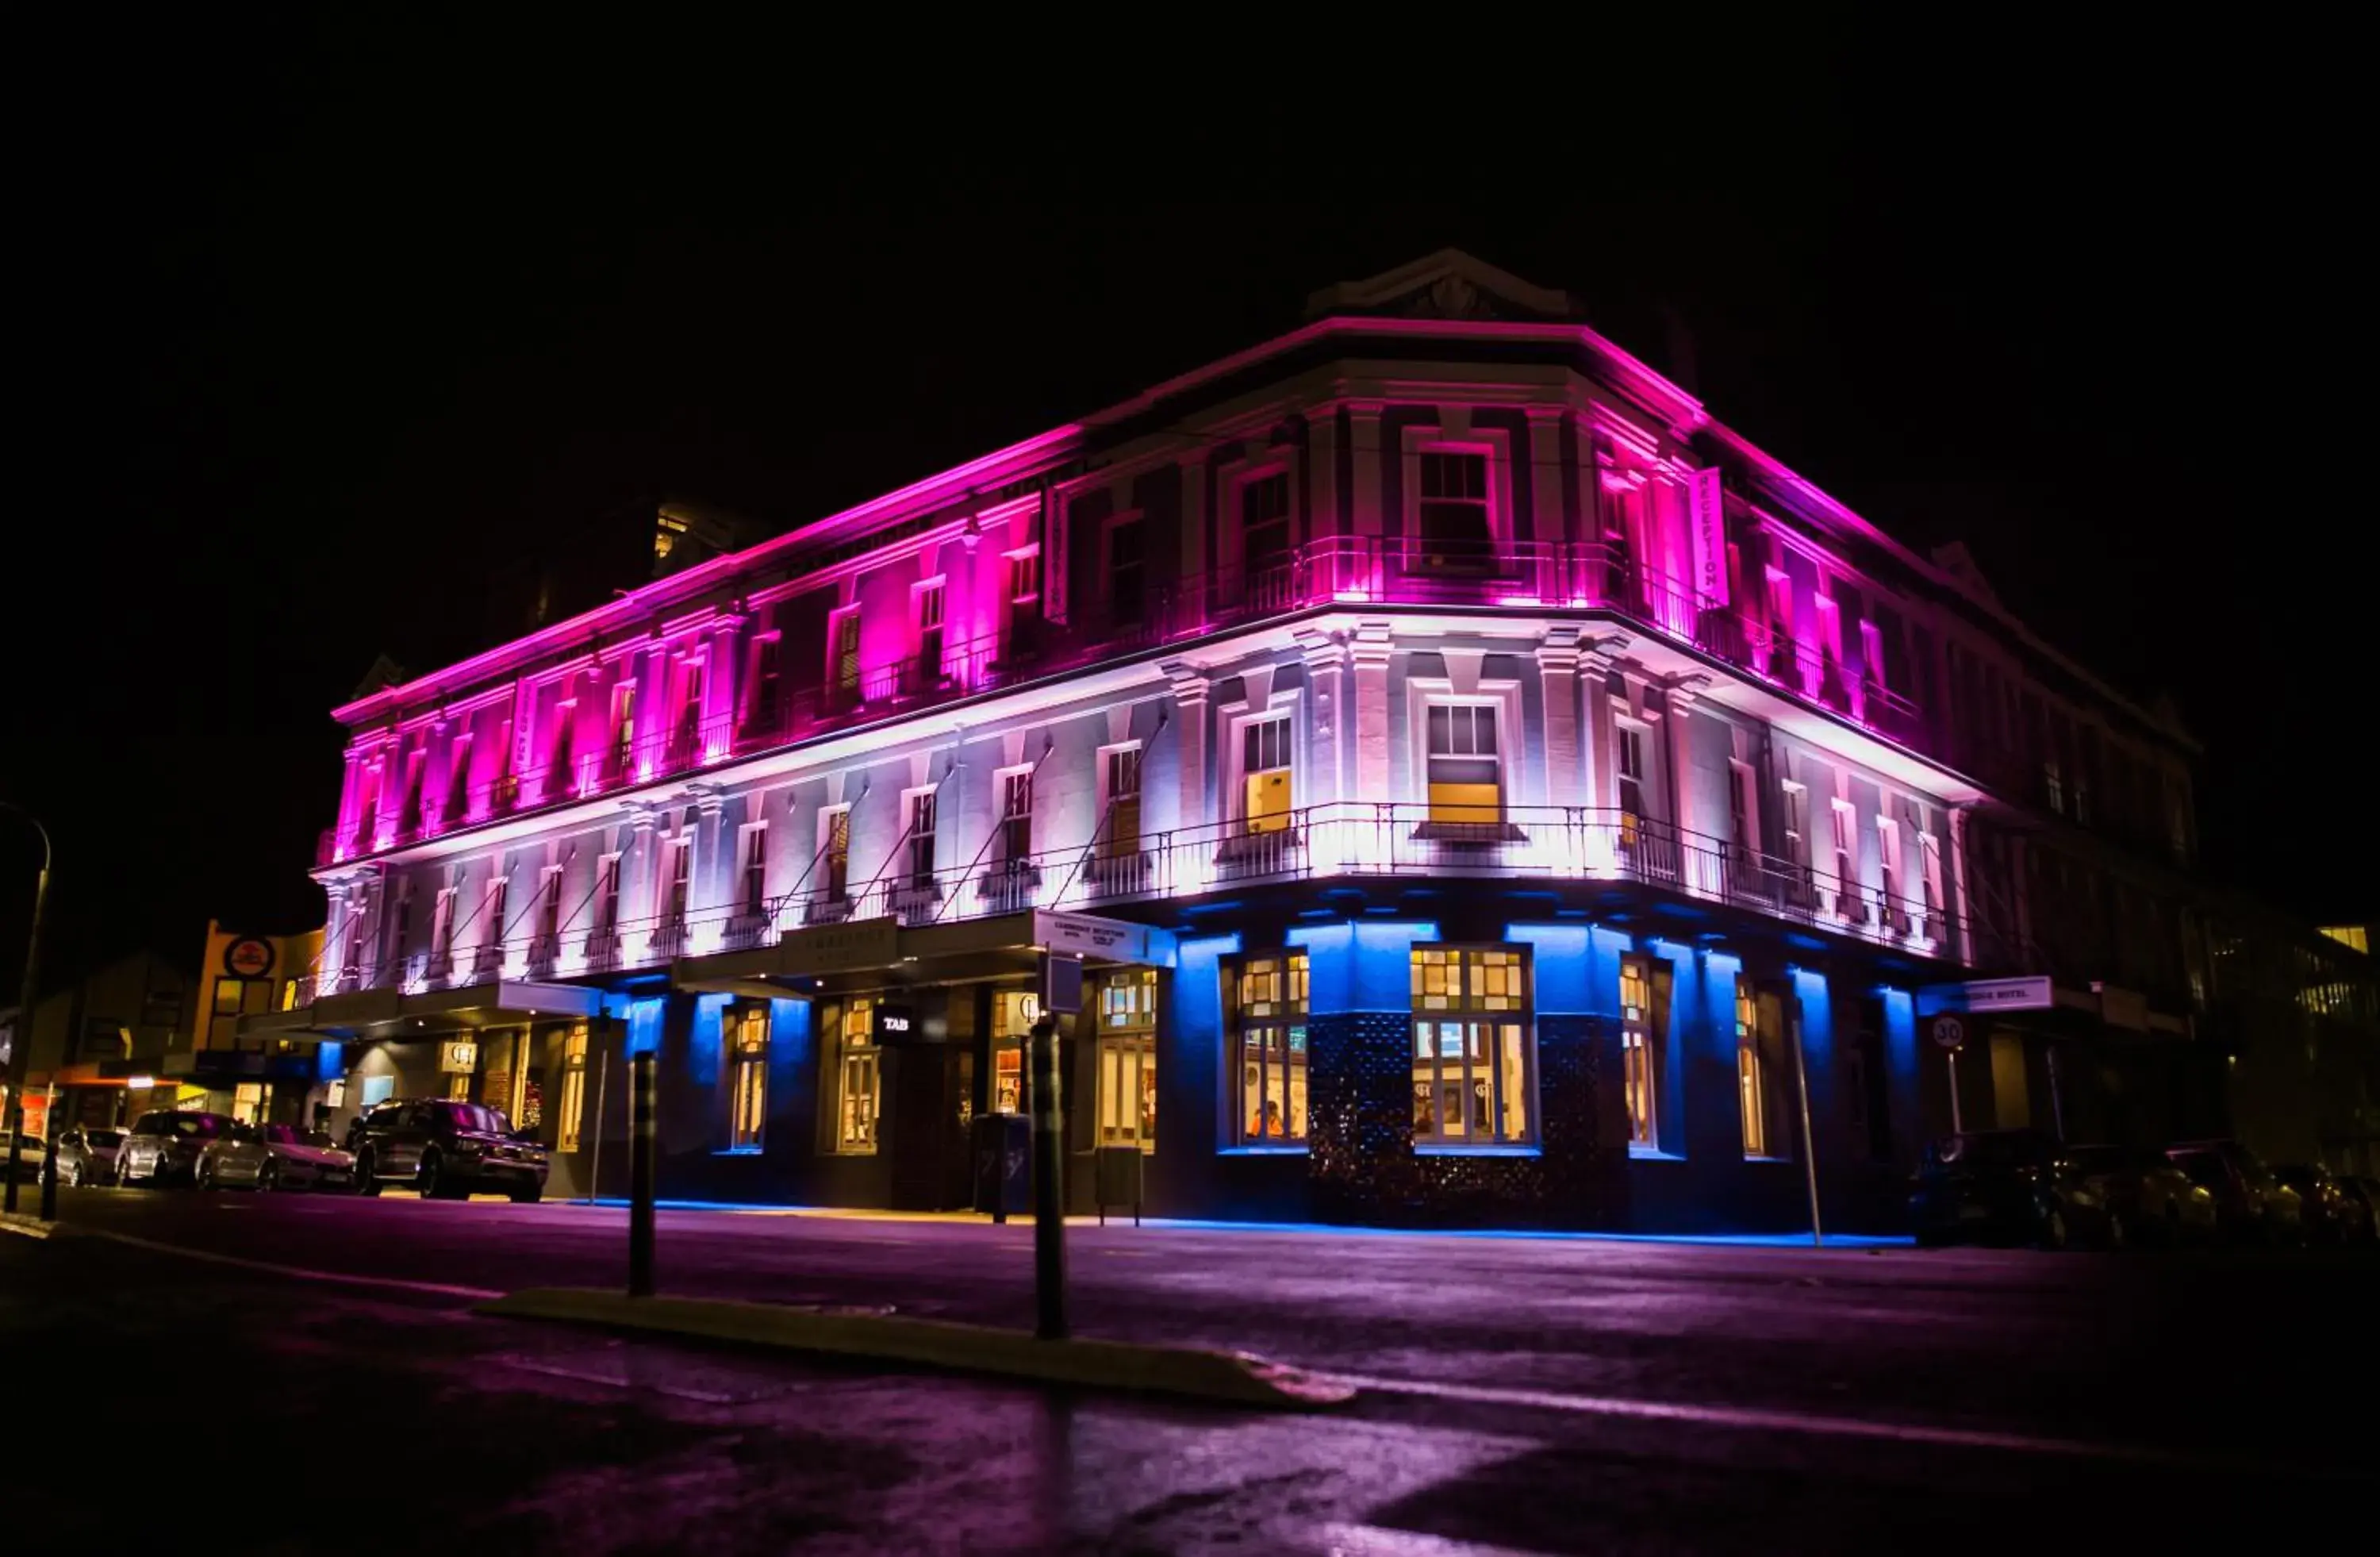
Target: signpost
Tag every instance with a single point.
(1949, 1032)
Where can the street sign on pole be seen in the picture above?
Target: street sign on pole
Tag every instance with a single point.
(1949, 1032)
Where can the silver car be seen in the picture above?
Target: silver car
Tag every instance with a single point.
(274, 1157)
(87, 1154)
(165, 1145)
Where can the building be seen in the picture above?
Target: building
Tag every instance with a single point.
(87, 1041)
(1498, 791)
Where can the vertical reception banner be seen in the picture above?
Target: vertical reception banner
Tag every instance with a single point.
(1708, 519)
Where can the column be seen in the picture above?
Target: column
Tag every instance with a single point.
(1325, 697)
(1545, 518)
(1191, 716)
(1371, 649)
(1557, 661)
(1364, 441)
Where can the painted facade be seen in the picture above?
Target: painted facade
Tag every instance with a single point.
(1553, 811)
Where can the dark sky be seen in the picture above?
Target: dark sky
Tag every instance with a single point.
(342, 320)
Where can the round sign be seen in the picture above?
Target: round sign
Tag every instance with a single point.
(248, 957)
(1950, 1031)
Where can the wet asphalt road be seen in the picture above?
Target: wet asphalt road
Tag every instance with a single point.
(1527, 1394)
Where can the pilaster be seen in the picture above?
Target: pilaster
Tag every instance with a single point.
(1558, 665)
(1597, 660)
(1371, 649)
(1326, 660)
(1192, 716)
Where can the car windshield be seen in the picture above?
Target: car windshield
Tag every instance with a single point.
(473, 1116)
(189, 1126)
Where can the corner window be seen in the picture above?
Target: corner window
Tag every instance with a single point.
(1465, 774)
(1127, 1059)
(748, 1108)
(856, 1075)
(1474, 1047)
(1266, 1007)
(1453, 510)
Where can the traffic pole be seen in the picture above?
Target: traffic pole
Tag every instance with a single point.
(641, 1154)
(1048, 1188)
(1809, 1147)
(20, 1052)
(50, 1159)
(595, 1153)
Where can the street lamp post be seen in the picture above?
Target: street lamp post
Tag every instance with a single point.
(21, 1049)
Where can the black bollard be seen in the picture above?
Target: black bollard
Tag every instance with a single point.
(642, 1155)
(1049, 1186)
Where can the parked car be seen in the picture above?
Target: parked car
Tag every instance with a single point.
(2332, 1213)
(87, 1154)
(2251, 1206)
(2367, 1190)
(25, 1160)
(2005, 1187)
(2148, 1199)
(276, 1157)
(447, 1150)
(164, 1146)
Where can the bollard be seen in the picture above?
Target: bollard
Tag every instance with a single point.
(1049, 1186)
(642, 1153)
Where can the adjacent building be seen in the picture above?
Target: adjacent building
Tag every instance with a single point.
(1484, 786)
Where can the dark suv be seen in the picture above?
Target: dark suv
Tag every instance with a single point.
(447, 1150)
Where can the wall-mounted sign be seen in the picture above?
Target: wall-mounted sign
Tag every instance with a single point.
(1987, 994)
(838, 948)
(1948, 1031)
(1088, 935)
(458, 1057)
(1708, 501)
(895, 1023)
(248, 957)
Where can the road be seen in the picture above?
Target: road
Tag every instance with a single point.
(1523, 1394)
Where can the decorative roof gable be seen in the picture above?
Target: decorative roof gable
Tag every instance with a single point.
(1446, 285)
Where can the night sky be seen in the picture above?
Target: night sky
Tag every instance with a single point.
(344, 322)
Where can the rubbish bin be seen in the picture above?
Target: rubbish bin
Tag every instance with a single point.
(1116, 1177)
(1002, 1151)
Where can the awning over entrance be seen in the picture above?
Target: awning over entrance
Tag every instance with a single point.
(388, 1013)
(985, 948)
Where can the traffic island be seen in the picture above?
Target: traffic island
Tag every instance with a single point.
(1183, 1372)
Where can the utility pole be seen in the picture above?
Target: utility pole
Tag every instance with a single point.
(643, 1127)
(1048, 1185)
(20, 1054)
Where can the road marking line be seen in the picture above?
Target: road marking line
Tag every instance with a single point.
(1378, 1541)
(1754, 1419)
(297, 1272)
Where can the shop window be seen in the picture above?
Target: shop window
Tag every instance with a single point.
(856, 1087)
(1472, 1051)
(1014, 1013)
(1264, 767)
(574, 1087)
(1759, 1070)
(1267, 1011)
(1466, 785)
(1127, 1059)
(1637, 1052)
(748, 1105)
(249, 1101)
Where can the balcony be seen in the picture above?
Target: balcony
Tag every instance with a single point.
(1339, 571)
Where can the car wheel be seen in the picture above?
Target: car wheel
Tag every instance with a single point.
(70, 1175)
(429, 1178)
(203, 1175)
(365, 1183)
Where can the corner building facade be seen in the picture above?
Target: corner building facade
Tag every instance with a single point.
(1543, 809)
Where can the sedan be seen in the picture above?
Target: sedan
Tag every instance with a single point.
(2148, 1199)
(87, 1154)
(165, 1145)
(274, 1157)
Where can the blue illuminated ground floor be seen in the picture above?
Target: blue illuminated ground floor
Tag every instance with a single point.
(1472, 1057)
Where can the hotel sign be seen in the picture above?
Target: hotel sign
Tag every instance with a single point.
(1707, 518)
(1088, 935)
(458, 1058)
(841, 948)
(1988, 994)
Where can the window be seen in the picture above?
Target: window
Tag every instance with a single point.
(768, 683)
(922, 814)
(1127, 1059)
(843, 650)
(624, 726)
(748, 1109)
(855, 1093)
(688, 730)
(574, 1087)
(607, 896)
(1465, 780)
(927, 601)
(1024, 578)
(1263, 523)
(1887, 854)
(1636, 1050)
(1797, 839)
(1756, 1086)
(1847, 903)
(835, 854)
(1929, 852)
(1628, 742)
(549, 911)
(677, 864)
(1120, 822)
(492, 917)
(400, 924)
(441, 930)
(1016, 816)
(565, 731)
(1128, 578)
(1743, 810)
(1264, 767)
(1454, 500)
(1471, 1039)
(752, 871)
(1267, 1011)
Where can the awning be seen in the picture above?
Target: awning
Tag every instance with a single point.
(1001, 946)
(389, 1013)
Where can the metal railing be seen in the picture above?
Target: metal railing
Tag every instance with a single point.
(1344, 570)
